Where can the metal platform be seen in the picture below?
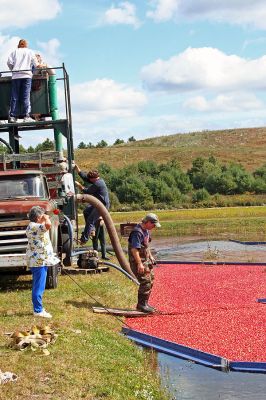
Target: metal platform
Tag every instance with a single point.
(20, 126)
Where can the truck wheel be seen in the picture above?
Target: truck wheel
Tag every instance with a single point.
(52, 276)
(67, 245)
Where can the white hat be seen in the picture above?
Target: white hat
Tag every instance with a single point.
(153, 218)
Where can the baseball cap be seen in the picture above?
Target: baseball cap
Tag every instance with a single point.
(153, 218)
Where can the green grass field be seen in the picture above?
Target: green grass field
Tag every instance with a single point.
(242, 223)
(91, 359)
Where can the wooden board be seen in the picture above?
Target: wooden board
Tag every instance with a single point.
(120, 311)
(84, 271)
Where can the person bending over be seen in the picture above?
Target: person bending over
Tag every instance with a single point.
(98, 189)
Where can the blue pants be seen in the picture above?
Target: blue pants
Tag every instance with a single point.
(20, 94)
(91, 215)
(38, 286)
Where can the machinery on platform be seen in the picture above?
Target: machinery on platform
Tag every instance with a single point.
(43, 178)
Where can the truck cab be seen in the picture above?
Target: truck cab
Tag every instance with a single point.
(21, 185)
(19, 191)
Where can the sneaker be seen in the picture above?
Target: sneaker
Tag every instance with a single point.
(28, 119)
(12, 120)
(43, 314)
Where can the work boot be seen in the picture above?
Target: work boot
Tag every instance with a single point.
(82, 241)
(153, 308)
(145, 308)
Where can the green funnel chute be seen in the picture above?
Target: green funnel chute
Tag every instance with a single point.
(58, 137)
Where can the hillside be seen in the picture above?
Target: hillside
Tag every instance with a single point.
(245, 146)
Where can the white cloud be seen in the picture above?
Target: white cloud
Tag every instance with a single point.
(7, 44)
(20, 14)
(50, 52)
(242, 12)
(205, 69)
(104, 109)
(164, 10)
(106, 98)
(227, 103)
(167, 124)
(124, 13)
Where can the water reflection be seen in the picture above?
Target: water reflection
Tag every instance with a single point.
(216, 250)
(189, 381)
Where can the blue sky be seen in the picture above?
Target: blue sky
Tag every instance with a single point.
(148, 68)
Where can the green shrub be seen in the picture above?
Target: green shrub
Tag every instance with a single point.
(200, 195)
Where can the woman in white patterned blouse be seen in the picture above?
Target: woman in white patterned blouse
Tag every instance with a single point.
(39, 256)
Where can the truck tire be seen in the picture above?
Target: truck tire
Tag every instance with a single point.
(67, 243)
(52, 276)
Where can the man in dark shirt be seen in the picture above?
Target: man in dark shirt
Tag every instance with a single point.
(141, 260)
(98, 189)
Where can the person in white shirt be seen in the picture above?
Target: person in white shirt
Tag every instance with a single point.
(21, 61)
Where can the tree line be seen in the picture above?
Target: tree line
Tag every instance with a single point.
(150, 185)
(147, 185)
(103, 143)
(48, 144)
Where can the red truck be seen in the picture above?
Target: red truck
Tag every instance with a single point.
(43, 178)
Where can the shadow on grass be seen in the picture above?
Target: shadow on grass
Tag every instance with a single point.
(17, 314)
(4, 348)
(83, 304)
(12, 283)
